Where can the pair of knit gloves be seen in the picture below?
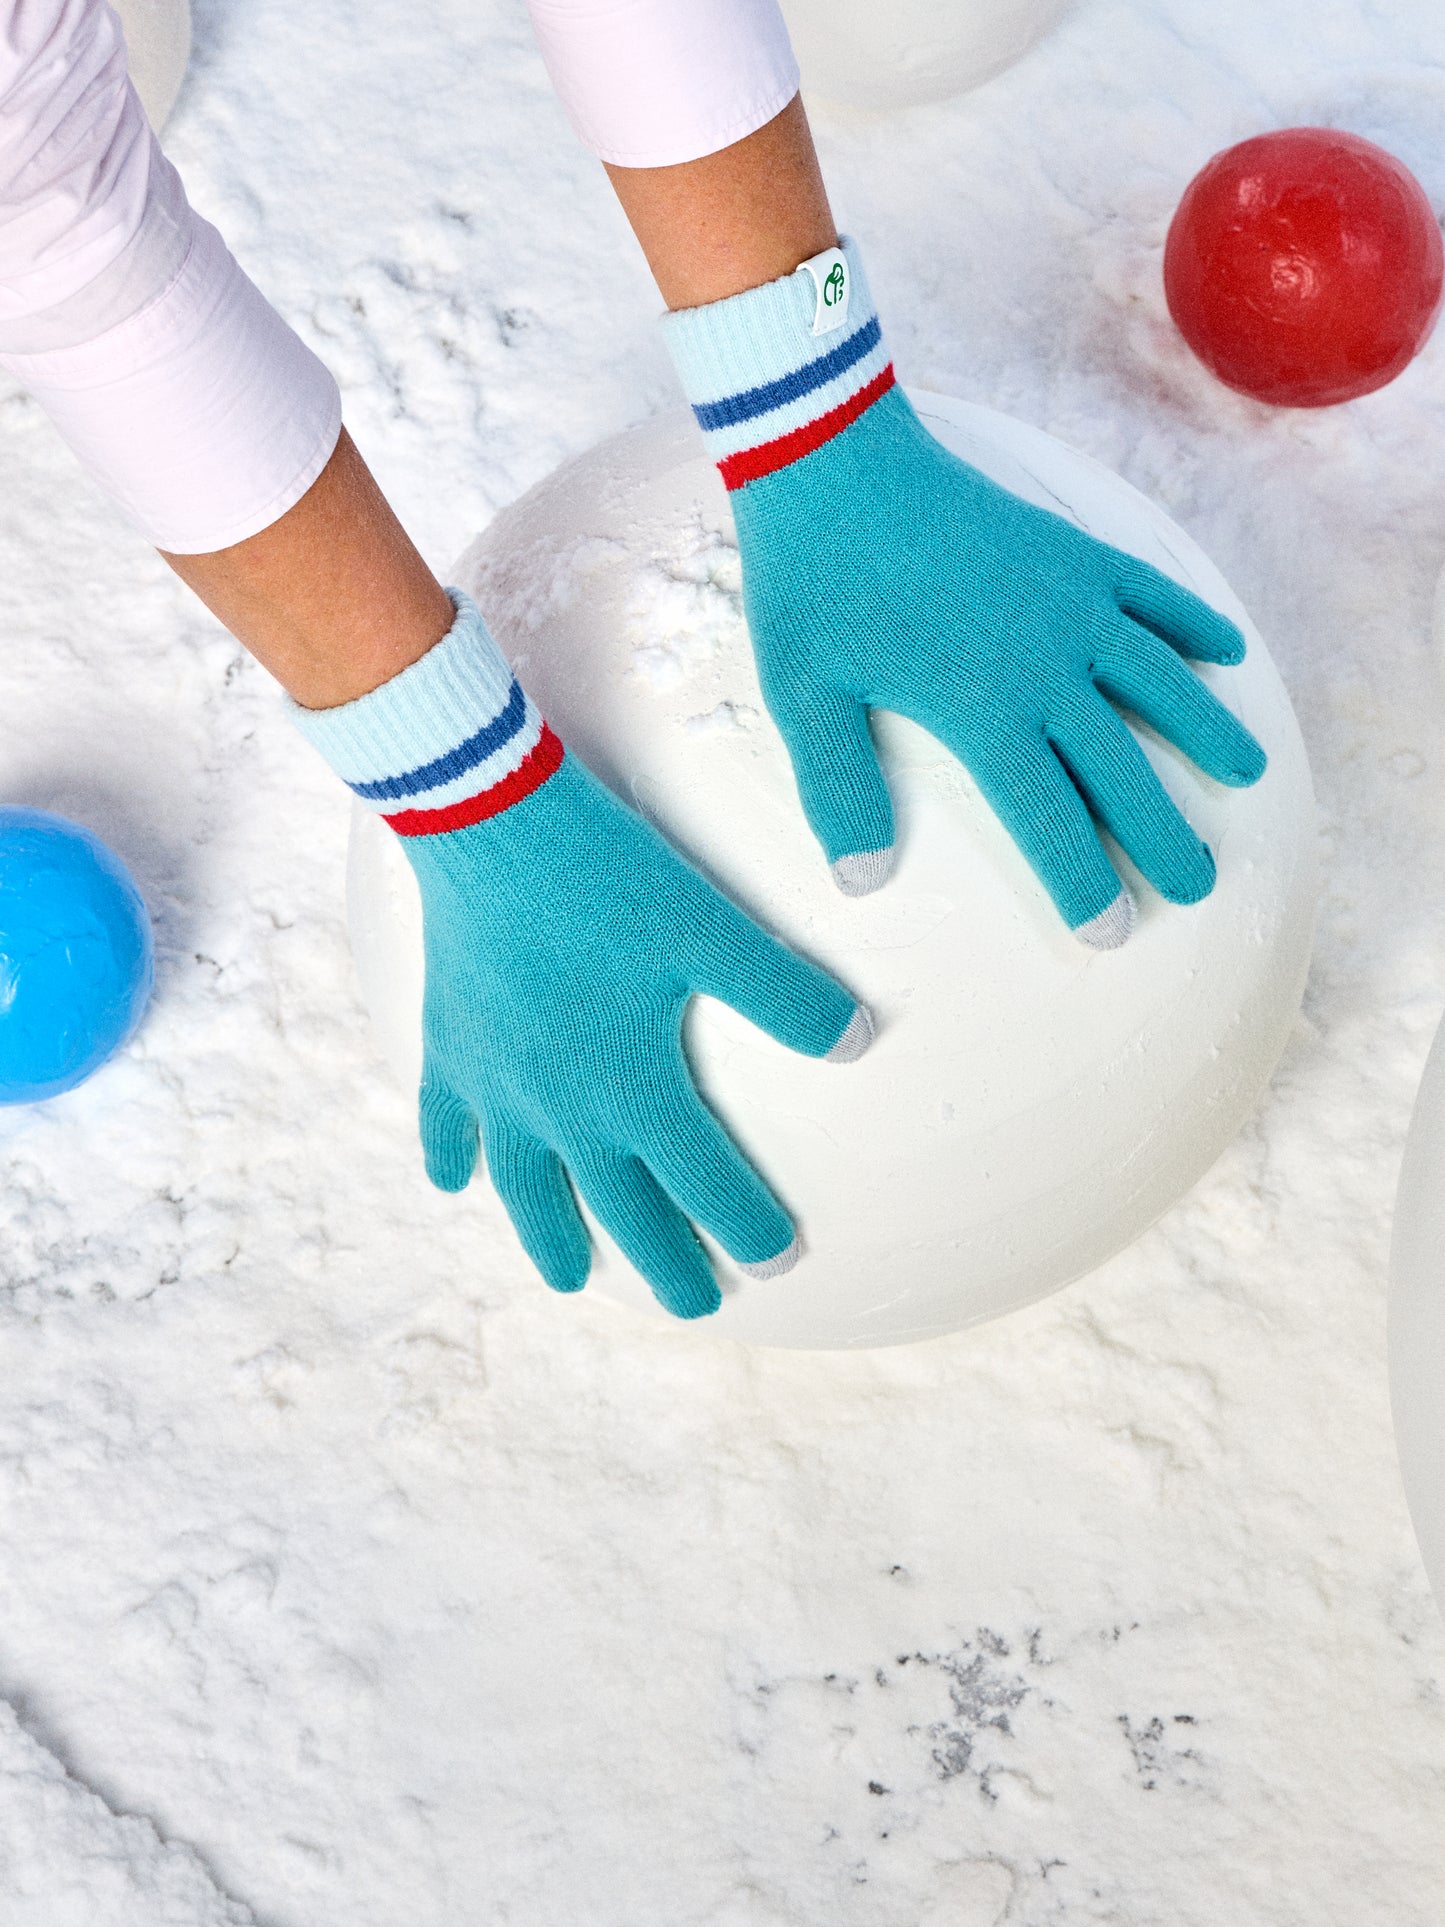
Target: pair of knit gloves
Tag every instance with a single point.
(564, 936)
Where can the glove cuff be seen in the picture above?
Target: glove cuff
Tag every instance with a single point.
(449, 741)
(777, 371)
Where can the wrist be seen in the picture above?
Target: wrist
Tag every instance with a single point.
(732, 219)
(452, 740)
(775, 372)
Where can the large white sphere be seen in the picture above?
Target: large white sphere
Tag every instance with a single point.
(1417, 1318)
(1439, 622)
(1029, 1106)
(158, 48)
(867, 54)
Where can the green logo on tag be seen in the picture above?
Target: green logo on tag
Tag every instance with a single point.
(833, 286)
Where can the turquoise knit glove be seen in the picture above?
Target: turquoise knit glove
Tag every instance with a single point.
(880, 571)
(563, 940)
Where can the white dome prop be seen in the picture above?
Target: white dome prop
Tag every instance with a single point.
(1417, 1318)
(1029, 1106)
(866, 54)
(158, 48)
(1439, 622)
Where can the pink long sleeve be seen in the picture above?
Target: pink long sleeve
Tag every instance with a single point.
(648, 83)
(123, 312)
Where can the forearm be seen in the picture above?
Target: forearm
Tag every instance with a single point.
(692, 107)
(332, 598)
(734, 219)
(182, 391)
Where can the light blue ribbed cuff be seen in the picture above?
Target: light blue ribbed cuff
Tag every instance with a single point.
(420, 715)
(760, 336)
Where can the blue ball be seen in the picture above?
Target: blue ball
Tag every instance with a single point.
(76, 956)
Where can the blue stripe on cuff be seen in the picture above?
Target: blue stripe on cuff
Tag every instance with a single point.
(802, 381)
(487, 741)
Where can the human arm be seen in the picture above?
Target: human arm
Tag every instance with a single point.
(879, 571)
(219, 432)
(731, 220)
(563, 937)
(332, 597)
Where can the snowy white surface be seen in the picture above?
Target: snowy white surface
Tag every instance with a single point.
(349, 1577)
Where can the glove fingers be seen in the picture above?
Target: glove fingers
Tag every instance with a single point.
(735, 961)
(649, 1230)
(1032, 797)
(532, 1184)
(709, 1178)
(448, 1135)
(1149, 678)
(1176, 615)
(841, 787)
(1130, 801)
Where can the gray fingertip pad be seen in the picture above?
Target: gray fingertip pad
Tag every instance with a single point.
(855, 1039)
(1112, 927)
(775, 1267)
(869, 870)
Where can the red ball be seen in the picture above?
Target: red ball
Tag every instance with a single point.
(1304, 267)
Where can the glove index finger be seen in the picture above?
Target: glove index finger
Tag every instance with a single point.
(840, 784)
(737, 962)
(1031, 795)
(707, 1176)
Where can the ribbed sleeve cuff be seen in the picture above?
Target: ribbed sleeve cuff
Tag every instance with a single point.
(772, 373)
(451, 740)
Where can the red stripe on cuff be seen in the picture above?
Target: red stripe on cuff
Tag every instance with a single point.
(750, 463)
(540, 762)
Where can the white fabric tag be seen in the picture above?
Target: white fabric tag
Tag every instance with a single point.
(830, 277)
